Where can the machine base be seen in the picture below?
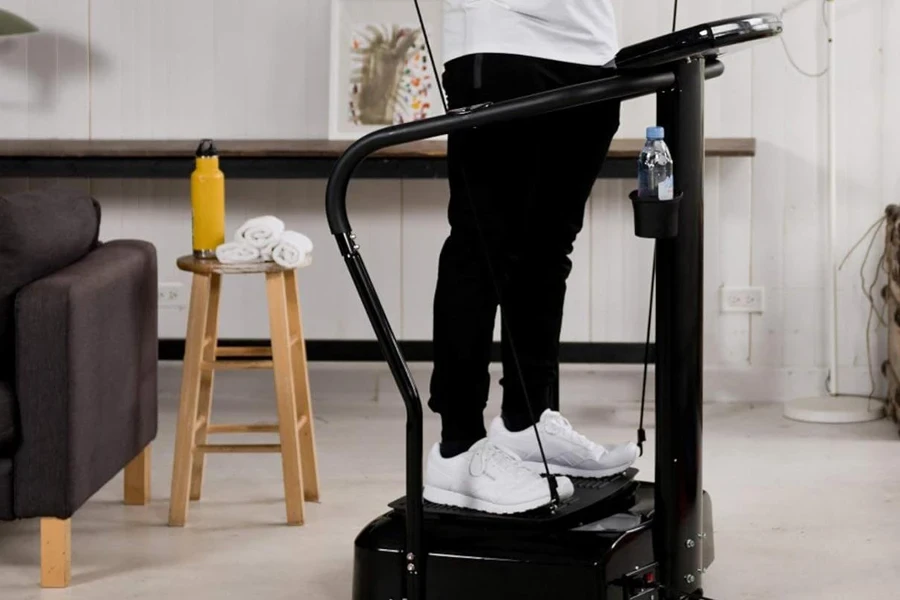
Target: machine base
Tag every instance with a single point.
(610, 558)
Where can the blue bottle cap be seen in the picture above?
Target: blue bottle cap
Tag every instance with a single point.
(656, 133)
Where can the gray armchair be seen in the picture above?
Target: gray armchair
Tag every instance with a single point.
(78, 365)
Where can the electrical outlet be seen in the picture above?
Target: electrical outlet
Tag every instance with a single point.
(743, 300)
(171, 295)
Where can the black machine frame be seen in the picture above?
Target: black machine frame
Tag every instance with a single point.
(674, 68)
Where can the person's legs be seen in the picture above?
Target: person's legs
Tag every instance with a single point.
(492, 184)
(492, 181)
(573, 146)
(517, 195)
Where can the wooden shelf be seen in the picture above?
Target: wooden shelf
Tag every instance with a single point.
(263, 159)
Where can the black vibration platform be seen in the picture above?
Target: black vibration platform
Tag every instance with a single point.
(608, 557)
(656, 543)
(593, 499)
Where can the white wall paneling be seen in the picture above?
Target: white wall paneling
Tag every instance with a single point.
(45, 90)
(219, 68)
(890, 57)
(159, 211)
(423, 234)
(614, 251)
(205, 68)
(734, 250)
(316, 81)
(861, 66)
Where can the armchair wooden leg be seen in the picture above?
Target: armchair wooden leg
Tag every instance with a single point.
(56, 552)
(137, 479)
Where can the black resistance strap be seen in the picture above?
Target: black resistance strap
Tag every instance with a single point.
(642, 434)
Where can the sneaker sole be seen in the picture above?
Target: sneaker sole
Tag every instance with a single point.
(448, 498)
(573, 472)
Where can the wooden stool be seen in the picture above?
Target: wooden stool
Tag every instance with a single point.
(286, 356)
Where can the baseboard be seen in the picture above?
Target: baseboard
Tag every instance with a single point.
(604, 385)
(727, 384)
(421, 351)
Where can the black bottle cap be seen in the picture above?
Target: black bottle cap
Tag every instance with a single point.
(207, 149)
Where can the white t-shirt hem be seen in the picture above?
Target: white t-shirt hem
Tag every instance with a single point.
(570, 31)
(548, 53)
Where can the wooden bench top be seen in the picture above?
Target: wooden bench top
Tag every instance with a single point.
(272, 159)
(259, 149)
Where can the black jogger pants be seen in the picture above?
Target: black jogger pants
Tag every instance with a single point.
(518, 191)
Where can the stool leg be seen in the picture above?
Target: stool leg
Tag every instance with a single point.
(302, 397)
(204, 404)
(276, 290)
(190, 392)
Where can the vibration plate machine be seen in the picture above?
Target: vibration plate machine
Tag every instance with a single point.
(617, 538)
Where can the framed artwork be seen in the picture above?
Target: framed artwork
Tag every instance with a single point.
(380, 72)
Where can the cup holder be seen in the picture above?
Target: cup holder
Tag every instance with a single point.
(655, 218)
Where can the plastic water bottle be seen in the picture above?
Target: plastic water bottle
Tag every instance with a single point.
(655, 167)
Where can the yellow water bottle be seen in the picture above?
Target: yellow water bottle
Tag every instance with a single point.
(207, 201)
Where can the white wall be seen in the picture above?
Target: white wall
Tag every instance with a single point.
(199, 68)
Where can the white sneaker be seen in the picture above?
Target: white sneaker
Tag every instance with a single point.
(568, 452)
(488, 479)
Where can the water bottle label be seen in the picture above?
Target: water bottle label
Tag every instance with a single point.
(666, 188)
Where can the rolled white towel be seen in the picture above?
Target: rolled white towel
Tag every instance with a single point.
(259, 232)
(266, 253)
(236, 252)
(293, 250)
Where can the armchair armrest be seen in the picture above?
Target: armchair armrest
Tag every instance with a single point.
(86, 376)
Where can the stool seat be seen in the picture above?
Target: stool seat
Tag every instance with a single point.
(206, 266)
(286, 357)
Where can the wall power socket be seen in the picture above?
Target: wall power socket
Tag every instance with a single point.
(172, 295)
(742, 299)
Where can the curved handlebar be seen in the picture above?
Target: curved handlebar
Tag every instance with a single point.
(621, 86)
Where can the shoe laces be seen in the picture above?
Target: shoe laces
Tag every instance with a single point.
(556, 424)
(496, 458)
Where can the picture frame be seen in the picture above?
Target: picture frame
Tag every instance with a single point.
(380, 73)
